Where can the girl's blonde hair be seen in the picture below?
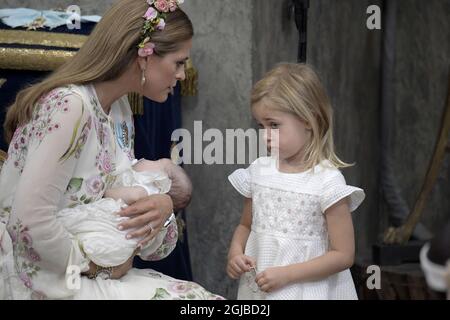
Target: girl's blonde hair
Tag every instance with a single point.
(107, 53)
(296, 88)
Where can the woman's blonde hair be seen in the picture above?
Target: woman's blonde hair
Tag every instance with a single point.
(107, 53)
(296, 88)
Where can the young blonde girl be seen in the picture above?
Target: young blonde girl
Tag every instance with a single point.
(295, 239)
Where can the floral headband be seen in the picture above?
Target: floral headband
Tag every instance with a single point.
(155, 19)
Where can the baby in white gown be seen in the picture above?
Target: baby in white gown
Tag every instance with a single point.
(95, 225)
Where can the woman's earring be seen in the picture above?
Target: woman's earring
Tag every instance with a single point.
(143, 78)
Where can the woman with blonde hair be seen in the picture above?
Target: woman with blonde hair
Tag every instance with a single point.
(68, 140)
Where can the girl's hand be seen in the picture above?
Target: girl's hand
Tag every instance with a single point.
(272, 279)
(147, 217)
(239, 264)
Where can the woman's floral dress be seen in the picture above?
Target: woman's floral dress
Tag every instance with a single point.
(66, 156)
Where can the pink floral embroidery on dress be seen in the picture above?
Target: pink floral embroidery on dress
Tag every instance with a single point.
(25, 257)
(104, 161)
(169, 243)
(40, 125)
(18, 147)
(184, 290)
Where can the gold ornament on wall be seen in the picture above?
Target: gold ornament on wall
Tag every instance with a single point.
(189, 87)
(136, 103)
(38, 23)
(43, 59)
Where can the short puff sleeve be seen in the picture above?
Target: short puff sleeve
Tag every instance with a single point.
(241, 181)
(335, 189)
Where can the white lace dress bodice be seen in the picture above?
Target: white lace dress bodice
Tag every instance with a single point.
(289, 225)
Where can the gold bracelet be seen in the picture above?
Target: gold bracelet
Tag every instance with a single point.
(104, 273)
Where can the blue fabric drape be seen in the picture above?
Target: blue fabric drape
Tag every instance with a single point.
(17, 80)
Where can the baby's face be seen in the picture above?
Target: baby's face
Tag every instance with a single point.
(285, 134)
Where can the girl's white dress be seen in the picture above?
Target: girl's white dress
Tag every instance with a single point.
(67, 156)
(289, 226)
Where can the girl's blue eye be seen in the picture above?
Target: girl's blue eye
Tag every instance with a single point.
(274, 125)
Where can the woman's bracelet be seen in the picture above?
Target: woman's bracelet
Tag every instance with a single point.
(104, 273)
(169, 220)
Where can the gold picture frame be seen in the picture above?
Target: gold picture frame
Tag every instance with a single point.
(50, 59)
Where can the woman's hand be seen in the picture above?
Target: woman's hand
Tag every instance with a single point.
(147, 217)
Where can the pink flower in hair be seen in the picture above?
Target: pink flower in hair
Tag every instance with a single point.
(173, 5)
(162, 5)
(147, 50)
(151, 14)
(161, 24)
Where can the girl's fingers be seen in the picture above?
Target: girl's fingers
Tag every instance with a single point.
(260, 279)
(262, 283)
(234, 276)
(237, 268)
(231, 273)
(250, 263)
(243, 265)
(265, 288)
(234, 267)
